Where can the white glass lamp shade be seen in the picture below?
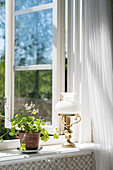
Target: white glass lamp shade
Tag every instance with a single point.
(68, 105)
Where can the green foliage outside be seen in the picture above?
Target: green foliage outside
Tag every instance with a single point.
(3, 130)
(35, 86)
(2, 76)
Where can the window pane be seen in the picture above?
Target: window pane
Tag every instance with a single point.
(35, 86)
(23, 4)
(3, 130)
(2, 49)
(2, 66)
(34, 38)
(2, 28)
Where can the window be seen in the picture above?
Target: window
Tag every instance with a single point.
(35, 56)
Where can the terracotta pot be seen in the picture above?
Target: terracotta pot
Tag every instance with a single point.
(31, 140)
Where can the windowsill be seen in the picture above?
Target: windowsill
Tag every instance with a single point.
(14, 143)
(53, 151)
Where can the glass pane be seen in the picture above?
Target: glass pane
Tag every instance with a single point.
(2, 67)
(2, 29)
(23, 4)
(34, 38)
(3, 130)
(2, 49)
(35, 86)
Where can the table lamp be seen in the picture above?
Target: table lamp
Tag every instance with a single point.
(67, 108)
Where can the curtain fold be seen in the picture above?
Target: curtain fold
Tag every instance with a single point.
(97, 60)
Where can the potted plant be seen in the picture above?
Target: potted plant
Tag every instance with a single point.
(29, 128)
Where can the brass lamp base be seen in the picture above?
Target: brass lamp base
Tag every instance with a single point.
(68, 145)
(68, 132)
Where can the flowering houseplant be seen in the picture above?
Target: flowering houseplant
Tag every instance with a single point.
(28, 125)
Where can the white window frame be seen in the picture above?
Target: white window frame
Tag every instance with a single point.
(74, 64)
(58, 66)
(74, 55)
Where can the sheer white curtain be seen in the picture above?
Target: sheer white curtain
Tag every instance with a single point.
(85, 127)
(98, 67)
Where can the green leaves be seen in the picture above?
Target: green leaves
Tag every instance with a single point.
(55, 136)
(11, 134)
(16, 115)
(13, 129)
(23, 147)
(56, 130)
(17, 133)
(45, 134)
(31, 118)
(25, 123)
(29, 124)
(42, 123)
(1, 140)
(1, 3)
(44, 138)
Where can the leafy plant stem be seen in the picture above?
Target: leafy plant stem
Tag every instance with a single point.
(5, 134)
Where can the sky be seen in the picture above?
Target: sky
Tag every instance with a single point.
(2, 26)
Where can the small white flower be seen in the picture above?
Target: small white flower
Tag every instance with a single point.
(26, 106)
(32, 105)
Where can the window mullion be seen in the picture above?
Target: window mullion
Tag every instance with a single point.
(74, 54)
(70, 47)
(33, 67)
(73, 47)
(13, 45)
(9, 61)
(34, 9)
